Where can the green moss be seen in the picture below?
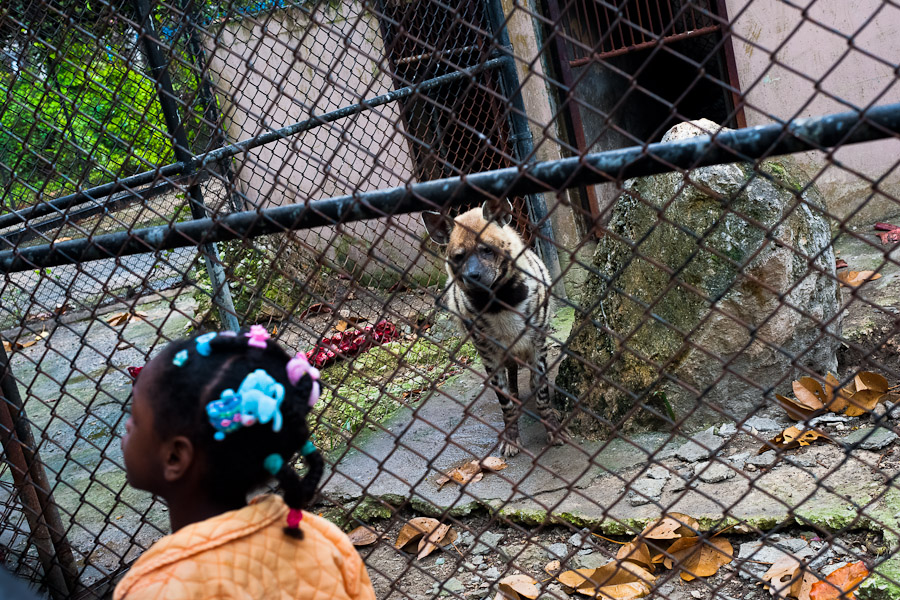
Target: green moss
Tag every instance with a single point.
(378, 382)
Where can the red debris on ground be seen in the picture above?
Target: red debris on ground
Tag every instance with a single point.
(840, 263)
(889, 234)
(351, 342)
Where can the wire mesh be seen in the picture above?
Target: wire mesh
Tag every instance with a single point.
(707, 327)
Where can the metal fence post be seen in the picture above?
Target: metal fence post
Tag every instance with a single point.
(47, 531)
(522, 139)
(181, 147)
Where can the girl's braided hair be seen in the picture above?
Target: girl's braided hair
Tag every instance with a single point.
(236, 463)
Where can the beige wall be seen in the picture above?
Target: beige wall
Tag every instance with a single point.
(278, 69)
(780, 70)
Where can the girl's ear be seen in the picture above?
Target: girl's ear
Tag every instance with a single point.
(178, 456)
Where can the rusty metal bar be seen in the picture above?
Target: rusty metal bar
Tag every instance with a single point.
(436, 54)
(47, 531)
(670, 38)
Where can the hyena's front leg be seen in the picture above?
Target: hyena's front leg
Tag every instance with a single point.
(509, 404)
(540, 386)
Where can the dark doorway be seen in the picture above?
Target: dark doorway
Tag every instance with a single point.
(635, 68)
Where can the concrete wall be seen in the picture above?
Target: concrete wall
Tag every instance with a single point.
(280, 68)
(786, 73)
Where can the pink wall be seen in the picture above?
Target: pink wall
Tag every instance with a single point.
(277, 69)
(795, 67)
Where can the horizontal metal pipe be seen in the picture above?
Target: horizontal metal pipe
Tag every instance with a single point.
(580, 62)
(730, 146)
(62, 203)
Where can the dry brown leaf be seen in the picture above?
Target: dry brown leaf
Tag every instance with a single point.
(362, 536)
(552, 567)
(802, 587)
(619, 580)
(7, 346)
(794, 437)
(805, 390)
(808, 385)
(62, 239)
(27, 344)
(637, 552)
(415, 529)
(118, 319)
(841, 583)
(871, 381)
(698, 558)
(493, 463)
(782, 576)
(857, 278)
(517, 587)
(862, 402)
(689, 525)
(836, 402)
(430, 542)
(342, 326)
(796, 410)
(664, 528)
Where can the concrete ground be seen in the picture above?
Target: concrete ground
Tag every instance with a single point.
(616, 487)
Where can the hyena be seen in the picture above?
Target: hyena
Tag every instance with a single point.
(499, 292)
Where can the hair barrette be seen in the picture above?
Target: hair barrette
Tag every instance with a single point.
(258, 336)
(299, 366)
(180, 358)
(257, 400)
(202, 341)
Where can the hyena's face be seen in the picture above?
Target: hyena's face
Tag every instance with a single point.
(478, 247)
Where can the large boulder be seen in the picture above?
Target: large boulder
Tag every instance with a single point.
(709, 292)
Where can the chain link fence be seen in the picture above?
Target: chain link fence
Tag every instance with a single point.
(713, 306)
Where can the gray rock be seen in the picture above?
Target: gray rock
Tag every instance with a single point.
(453, 585)
(727, 430)
(679, 483)
(595, 560)
(582, 540)
(700, 447)
(803, 460)
(739, 460)
(492, 574)
(658, 472)
(487, 542)
(870, 439)
(878, 413)
(645, 490)
(711, 472)
(465, 539)
(692, 213)
(827, 418)
(559, 550)
(766, 459)
(477, 560)
(768, 552)
(441, 560)
(585, 552)
(763, 424)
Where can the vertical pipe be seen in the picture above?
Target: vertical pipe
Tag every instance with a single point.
(47, 531)
(175, 126)
(571, 109)
(521, 135)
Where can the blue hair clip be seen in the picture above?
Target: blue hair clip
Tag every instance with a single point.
(203, 343)
(308, 448)
(258, 399)
(180, 358)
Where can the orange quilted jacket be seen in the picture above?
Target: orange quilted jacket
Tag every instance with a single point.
(244, 554)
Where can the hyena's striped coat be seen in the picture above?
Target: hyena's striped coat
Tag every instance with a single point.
(499, 292)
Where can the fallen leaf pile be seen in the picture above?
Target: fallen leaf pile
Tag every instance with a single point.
(19, 345)
(673, 540)
(812, 398)
(788, 578)
(471, 471)
(429, 533)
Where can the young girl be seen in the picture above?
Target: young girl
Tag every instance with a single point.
(214, 417)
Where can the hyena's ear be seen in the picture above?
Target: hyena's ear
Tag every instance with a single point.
(497, 212)
(438, 226)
